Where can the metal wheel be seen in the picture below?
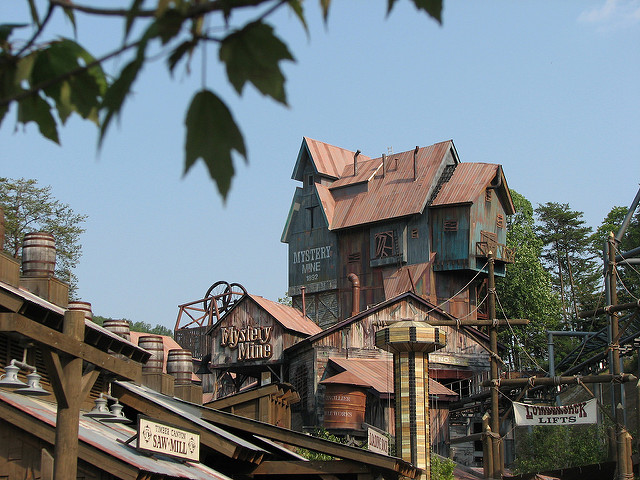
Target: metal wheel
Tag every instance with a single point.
(237, 291)
(220, 293)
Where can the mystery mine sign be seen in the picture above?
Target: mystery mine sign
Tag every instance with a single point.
(252, 342)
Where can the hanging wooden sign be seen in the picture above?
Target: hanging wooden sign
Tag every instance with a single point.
(158, 437)
(575, 414)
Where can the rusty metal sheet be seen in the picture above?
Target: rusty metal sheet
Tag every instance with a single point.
(289, 317)
(328, 159)
(110, 440)
(391, 193)
(468, 182)
(379, 374)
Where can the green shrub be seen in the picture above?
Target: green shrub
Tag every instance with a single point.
(441, 468)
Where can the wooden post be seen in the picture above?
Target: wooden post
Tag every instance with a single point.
(493, 345)
(487, 447)
(65, 464)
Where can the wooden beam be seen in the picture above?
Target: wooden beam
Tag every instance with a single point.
(314, 467)
(13, 322)
(302, 440)
(476, 323)
(215, 442)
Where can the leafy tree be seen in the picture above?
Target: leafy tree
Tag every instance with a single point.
(51, 77)
(442, 468)
(629, 275)
(30, 208)
(526, 291)
(566, 253)
(139, 326)
(555, 447)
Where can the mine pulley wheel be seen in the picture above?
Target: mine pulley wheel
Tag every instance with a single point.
(224, 294)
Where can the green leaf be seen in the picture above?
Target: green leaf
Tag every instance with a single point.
(81, 92)
(8, 87)
(179, 52)
(7, 28)
(296, 6)
(432, 7)
(131, 16)
(325, 4)
(117, 93)
(212, 134)
(34, 109)
(253, 54)
(168, 25)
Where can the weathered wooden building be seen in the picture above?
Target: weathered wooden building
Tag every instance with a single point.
(418, 220)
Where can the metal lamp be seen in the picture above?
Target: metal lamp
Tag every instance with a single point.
(33, 386)
(10, 378)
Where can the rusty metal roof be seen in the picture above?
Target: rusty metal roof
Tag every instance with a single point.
(469, 180)
(328, 160)
(396, 282)
(375, 194)
(379, 375)
(346, 378)
(109, 439)
(289, 317)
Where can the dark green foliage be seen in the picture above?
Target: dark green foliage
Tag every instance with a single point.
(526, 292)
(324, 434)
(30, 208)
(551, 448)
(50, 77)
(139, 326)
(442, 468)
(566, 253)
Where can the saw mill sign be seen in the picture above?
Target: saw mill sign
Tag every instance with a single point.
(252, 343)
(575, 414)
(158, 437)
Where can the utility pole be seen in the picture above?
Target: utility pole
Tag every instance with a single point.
(498, 468)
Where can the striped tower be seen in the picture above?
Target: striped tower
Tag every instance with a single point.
(411, 342)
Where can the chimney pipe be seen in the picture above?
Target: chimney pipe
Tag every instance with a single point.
(384, 158)
(304, 305)
(355, 162)
(355, 307)
(415, 155)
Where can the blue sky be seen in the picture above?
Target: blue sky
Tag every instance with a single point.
(547, 89)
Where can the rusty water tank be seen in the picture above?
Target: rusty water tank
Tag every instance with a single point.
(84, 307)
(38, 255)
(180, 365)
(155, 346)
(344, 406)
(119, 327)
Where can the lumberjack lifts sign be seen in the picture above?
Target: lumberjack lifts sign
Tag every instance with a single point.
(575, 414)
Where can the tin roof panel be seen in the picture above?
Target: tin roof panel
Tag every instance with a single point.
(468, 182)
(289, 317)
(390, 192)
(330, 160)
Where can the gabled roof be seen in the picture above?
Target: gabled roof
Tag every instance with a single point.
(469, 181)
(344, 323)
(378, 374)
(389, 192)
(289, 317)
(327, 160)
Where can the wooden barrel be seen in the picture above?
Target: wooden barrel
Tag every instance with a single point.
(84, 307)
(119, 327)
(38, 255)
(180, 365)
(154, 345)
(344, 407)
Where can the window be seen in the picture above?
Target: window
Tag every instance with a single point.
(384, 244)
(487, 195)
(414, 233)
(500, 221)
(310, 180)
(311, 215)
(450, 225)
(354, 257)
